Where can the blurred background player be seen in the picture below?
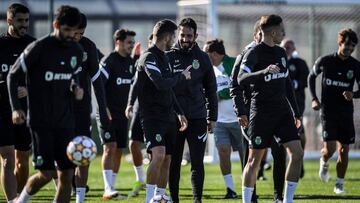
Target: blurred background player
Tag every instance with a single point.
(227, 131)
(88, 74)
(137, 137)
(198, 99)
(50, 79)
(299, 72)
(339, 72)
(118, 71)
(15, 140)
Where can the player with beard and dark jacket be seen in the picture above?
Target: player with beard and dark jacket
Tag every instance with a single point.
(50, 79)
(15, 140)
(198, 99)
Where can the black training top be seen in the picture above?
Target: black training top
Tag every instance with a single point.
(268, 90)
(10, 50)
(154, 84)
(50, 66)
(197, 96)
(338, 76)
(118, 72)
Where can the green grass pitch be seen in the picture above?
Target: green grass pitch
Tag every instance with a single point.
(310, 188)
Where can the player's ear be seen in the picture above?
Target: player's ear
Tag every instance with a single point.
(56, 25)
(9, 21)
(195, 37)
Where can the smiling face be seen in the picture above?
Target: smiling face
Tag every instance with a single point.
(346, 48)
(19, 24)
(186, 37)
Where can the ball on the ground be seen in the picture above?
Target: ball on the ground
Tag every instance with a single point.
(81, 150)
(160, 199)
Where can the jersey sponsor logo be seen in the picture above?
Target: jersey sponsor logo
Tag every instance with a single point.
(178, 70)
(5, 68)
(258, 140)
(177, 65)
(85, 56)
(73, 61)
(50, 76)
(202, 137)
(283, 61)
(158, 137)
(275, 76)
(195, 64)
(335, 83)
(123, 81)
(350, 74)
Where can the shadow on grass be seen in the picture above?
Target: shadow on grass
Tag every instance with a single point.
(329, 197)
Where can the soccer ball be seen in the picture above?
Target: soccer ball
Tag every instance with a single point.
(160, 199)
(81, 150)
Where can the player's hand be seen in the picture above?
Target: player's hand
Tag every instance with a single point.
(108, 114)
(348, 95)
(137, 49)
(187, 73)
(210, 126)
(22, 92)
(272, 69)
(78, 92)
(315, 104)
(298, 122)
(183, 123)
(18, 117)
(129, 111)
(243, 121)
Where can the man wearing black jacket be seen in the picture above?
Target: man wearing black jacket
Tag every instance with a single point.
(157, 105)
(198, 99)
(265, 68)
(14, 138)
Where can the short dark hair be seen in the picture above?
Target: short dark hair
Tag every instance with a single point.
(67, 15)
(188, 22)
(122, 34)
(216, 45)
(163, 27)
(346, 35)
(15, 8)
(83, 21)
(269, 21)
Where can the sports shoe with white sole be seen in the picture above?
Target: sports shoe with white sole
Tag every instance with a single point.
(339, 188)
(324, 171)
(113, 195)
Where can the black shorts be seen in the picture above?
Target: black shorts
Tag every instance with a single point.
(50, 148)
(118, 133)
(83, 124)
(338, 128)
(17, 135)
(159, 133)
(137, 133)
(267, 124)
